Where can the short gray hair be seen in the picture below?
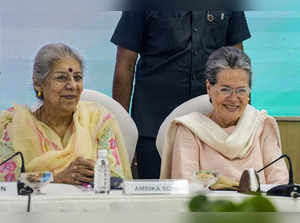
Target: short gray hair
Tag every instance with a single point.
(227, 58)
(47, 56)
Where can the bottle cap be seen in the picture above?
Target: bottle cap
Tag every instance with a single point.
(102, 153)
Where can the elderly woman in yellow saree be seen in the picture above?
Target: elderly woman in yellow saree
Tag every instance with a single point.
(64, 134)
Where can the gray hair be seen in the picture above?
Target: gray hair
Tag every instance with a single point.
(227, 58)
(47, 56)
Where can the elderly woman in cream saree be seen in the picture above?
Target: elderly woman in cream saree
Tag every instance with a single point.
(233, 137)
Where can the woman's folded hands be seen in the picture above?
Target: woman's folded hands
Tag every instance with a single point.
(78, 172)
(225, 183)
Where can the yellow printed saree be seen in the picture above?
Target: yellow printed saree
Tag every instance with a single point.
(93, 128)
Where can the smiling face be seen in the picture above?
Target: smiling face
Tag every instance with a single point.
(230, 96)
(62, 88)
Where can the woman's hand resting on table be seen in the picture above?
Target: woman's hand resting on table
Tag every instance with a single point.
(79, 171)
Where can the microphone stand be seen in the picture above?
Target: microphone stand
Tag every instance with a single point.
(287, 190)
(22, 189)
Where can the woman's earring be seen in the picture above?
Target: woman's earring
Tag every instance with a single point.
(39, 94)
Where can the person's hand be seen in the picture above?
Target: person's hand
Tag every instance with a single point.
(79, 171)
(225, 183)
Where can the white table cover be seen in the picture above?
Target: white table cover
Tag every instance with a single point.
(68, 198)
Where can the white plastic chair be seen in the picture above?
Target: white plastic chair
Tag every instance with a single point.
(127, 125)
(198, 104)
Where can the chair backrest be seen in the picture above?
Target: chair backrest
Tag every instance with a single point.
(198, 104)
(127, 125)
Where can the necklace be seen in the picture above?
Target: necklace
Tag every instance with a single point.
(37, 114)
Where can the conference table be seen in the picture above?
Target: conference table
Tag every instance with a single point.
(57, 198)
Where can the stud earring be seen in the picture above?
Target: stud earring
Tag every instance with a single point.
(39, 94)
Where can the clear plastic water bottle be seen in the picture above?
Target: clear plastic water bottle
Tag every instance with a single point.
(102, 173)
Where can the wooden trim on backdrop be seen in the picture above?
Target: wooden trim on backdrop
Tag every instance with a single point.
(287, 118)
(290, 138)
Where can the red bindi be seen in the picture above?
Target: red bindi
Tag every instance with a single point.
(70, 69)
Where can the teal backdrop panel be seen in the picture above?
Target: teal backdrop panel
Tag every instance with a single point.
(275, 52)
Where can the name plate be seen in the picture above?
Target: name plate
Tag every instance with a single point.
(156, 187)
(8, 189)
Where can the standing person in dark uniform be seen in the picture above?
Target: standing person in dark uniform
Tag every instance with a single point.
(173, 47)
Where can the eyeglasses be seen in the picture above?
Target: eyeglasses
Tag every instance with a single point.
(227, 91)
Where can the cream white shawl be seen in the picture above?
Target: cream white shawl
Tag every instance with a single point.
(235, 145)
